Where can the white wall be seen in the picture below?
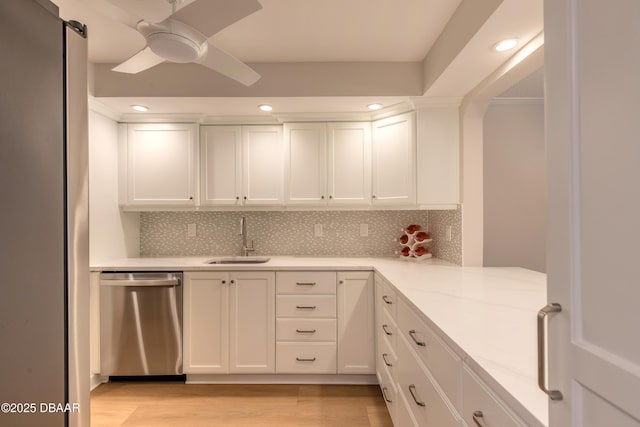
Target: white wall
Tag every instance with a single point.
(112, 234)
(514, 185)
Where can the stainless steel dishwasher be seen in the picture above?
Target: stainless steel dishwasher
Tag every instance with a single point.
(140, 324)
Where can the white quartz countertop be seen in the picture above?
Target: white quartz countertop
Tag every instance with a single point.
(488, 315)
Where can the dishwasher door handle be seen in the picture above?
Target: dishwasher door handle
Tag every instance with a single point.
(141, 282)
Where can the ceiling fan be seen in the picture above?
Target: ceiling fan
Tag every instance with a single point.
(182, 36)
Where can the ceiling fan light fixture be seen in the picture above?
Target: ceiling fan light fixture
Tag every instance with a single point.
(173, 47)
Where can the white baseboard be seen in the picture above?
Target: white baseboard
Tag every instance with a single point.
(280, 379)
(95, 380)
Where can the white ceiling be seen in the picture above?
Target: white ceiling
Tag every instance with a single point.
(322, 31)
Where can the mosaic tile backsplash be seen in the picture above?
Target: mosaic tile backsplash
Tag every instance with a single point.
(291, 233)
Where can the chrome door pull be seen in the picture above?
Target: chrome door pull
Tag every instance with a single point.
(384, 357)
(542, 339)
(303, 331)
(384, 328)
(306, 283)
(412, 388)
(302, 359)
(386, 299)
(412, 334)
(478, 418)
(306, 307)
(384, 394)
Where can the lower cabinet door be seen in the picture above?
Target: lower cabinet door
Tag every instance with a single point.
(402, 415)
(306, 358)
(427, 403)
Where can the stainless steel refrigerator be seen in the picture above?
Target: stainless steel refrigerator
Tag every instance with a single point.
(44, 277)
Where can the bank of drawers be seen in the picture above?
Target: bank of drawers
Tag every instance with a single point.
(306, 323)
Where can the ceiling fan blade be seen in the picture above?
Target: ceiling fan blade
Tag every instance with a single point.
(225, 64)
(211, 16)
(141, 61)
(149, 10)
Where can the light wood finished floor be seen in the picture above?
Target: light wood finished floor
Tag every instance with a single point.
(177, 404)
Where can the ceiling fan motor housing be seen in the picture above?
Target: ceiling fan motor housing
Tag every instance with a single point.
(174, 41)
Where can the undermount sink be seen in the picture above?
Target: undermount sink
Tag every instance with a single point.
(238, 260)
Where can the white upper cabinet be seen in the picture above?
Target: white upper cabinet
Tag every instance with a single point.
(327, 163)
(241, 165)
(221, 165)
(393, 169)
(438, 155)
(159, 166)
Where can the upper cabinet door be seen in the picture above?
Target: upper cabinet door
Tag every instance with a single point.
(161, 164)
(263, 180)
(221, 165)
(305, 163)
(349, 163)
(394, 147)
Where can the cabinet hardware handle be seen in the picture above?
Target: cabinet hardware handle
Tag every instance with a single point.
(341, 282)
(306, 307)
(412, 334)
(190, 197)
(373, 197)
(245, 197)
(384, 394)
(384, 328)
(237, 197)
(384, 357)
(233, 281)
(303, 331)
(542, 339)
(412, 389)
(302, 359)
(224, 282)
(306, 283)
(478, 418)
(386, 299)
(322, 197)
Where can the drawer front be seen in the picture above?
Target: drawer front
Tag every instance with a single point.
(386, 356)
(388, 391)
(306, 282)
(386, 327)
(306, 306)
(305, 330)
(427, 404)
(443, 363)
(389, 299)
(306, 358)
(476, 396)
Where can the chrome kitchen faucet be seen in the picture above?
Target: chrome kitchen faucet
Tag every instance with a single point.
(243, 232)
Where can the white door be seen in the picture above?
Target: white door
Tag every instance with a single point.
(206, 323)
(221, 165)
(394, 148)
(305, 164)
(252, 334)
(263, 180)
(356, 340)
(161, 164)
(349, 161)
(592, 89)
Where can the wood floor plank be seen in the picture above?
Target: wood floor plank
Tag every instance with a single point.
(177, 404)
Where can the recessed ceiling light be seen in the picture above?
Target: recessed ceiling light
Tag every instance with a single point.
(141, 108)
(506, 44)
(374, 106)
(265, 107)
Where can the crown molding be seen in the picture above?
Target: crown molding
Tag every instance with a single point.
(512, 101)
(322, 117)
(103, 110)
(239, 120)
(160, 118)
(437, 101)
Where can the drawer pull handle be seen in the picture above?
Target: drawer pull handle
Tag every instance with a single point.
(412, 334)
(542, 339)
(304, 331)
(384, 357)
(386, 299)
(478, 418)
(384, 328)
(384, 394)
(306, 307)
(303, 359)
(412, 389)
(306, 283)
